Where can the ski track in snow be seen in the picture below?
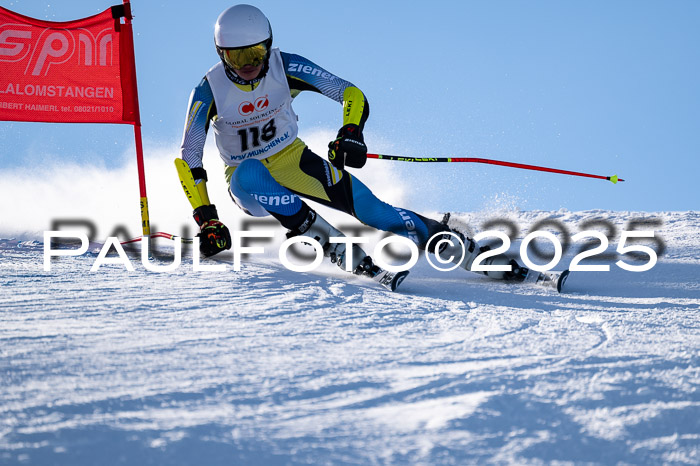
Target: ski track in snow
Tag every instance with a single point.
(268, 366)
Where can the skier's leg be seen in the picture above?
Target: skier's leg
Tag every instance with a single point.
(254, 189)
(306, 173)
(372, 211)
(313, 177)
(354, 197)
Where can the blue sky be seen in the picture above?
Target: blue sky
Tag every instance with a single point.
(595, 86)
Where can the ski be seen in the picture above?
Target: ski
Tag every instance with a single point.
(159, 234)
(554, 280)
(389, 280)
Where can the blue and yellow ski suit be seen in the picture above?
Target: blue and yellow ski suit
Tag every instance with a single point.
(268, 168)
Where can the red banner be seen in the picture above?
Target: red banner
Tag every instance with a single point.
(78, 71)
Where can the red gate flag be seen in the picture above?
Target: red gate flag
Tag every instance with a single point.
(79, 71)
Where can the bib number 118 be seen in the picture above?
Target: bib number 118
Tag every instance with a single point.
(253, 135)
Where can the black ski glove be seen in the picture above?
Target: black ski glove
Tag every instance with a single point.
(214, 237)
(348, 148)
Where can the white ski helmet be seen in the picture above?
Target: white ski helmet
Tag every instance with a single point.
(239, 27)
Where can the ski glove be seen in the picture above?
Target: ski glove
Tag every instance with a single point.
(213, 235)
(348, 149)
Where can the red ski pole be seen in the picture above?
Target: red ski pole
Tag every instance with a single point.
(613, 178)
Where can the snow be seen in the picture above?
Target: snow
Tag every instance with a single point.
(268, 366)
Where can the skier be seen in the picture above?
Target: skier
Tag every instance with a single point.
(247, 99)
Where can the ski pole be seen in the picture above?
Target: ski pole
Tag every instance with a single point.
(613, 178)
(159, 234)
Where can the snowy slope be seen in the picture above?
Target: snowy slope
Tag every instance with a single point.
(269, 366)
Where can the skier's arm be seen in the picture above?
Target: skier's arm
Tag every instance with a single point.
(214, 236)
(200, 110)
(305, 75)
(348, 149)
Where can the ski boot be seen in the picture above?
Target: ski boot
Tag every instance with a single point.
(316, 227)
(518, 273)
(389, 280)
(450, 249)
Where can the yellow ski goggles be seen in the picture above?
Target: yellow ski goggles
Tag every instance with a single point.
(253, 55)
